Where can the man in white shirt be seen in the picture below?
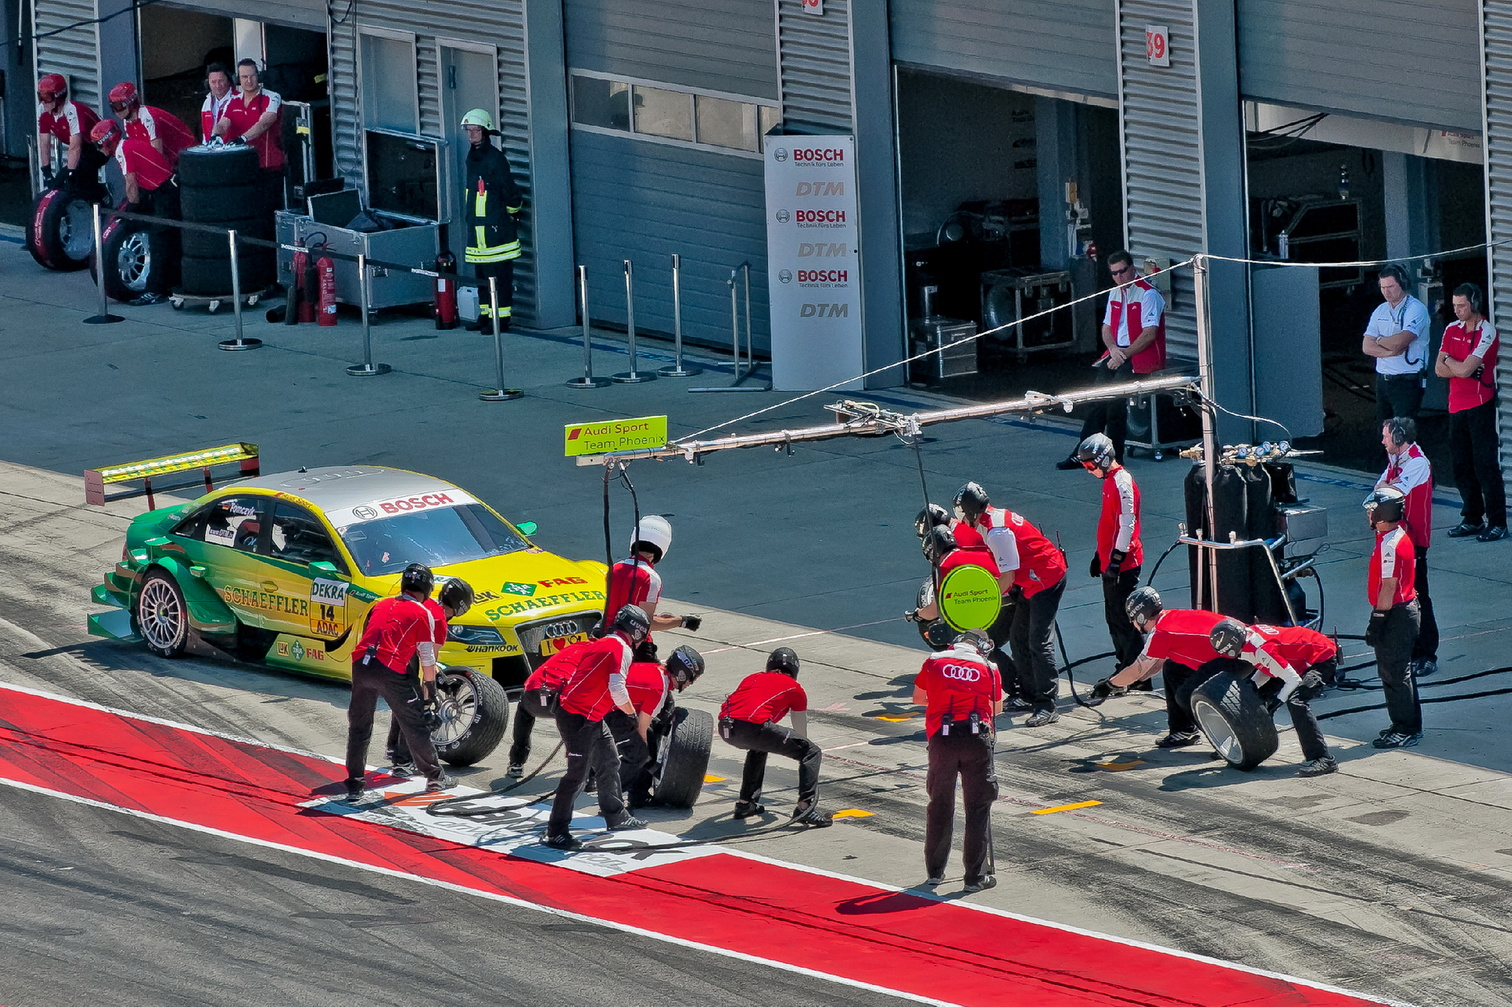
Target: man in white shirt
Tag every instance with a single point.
(1397, 337)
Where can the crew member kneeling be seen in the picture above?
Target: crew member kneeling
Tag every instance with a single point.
(651, 688)
(748, 720)
(960, 691)
(1302, 662)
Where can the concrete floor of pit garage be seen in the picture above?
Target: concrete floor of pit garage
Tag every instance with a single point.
(1398, 861)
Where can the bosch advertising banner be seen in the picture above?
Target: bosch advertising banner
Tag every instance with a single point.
(813, 263)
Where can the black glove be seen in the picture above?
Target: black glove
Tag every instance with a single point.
(1376, 628)
(692, 622)
(1095, 569)
(1100, 693)
(1115, 561)
(47, 174)
(238, 141)
(430, 712)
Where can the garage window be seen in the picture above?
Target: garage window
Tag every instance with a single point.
(390, 94)
(664, 113)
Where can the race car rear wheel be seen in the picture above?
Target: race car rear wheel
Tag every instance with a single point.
(161, 615)
(1236, 719)
(679, 775)
(474, 713)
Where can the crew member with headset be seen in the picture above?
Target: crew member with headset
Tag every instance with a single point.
(71, 122)
(748, 720)
(1178, 645)
(1393, 627)
(1301, 662)
(651, 688)
(1120, 551)
(1467, 360)
(254, 116)
(398, 629)
(594, 688)
(165, 131)
(1397, 338)
(1408, 469)
(960, 691)
(635, 581)
(490, 203)
(452, 602)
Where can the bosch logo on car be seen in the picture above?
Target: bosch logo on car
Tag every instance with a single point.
(823, 276)
(828, 155)
(403, 504)
(820, 216)
(961, 672)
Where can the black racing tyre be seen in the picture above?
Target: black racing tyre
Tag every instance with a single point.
(678, 777)
(61, 235)
(1236, 719)
(228, 203)
(474, 713)
(206, 166)
(162, 617)
(208, 245)
(205, 277)
(138, 260)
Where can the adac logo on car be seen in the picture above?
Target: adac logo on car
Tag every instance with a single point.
(510, 587)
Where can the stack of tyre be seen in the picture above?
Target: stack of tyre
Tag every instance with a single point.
(224, 186)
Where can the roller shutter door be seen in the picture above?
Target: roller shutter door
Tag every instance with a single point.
(1498, 147)
(74, 51)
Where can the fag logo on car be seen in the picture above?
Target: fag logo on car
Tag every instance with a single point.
(510, 587)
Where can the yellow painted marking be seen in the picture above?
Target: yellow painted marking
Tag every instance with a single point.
(853, 813)
(1119, 767)
(1066, 807)
(896, 718)
(714, 779)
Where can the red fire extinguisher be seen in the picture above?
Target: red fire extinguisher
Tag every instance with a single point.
(325, 279)
(445, 308)
(299, 308)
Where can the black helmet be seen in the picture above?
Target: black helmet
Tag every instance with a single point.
(456, 595)
(1386, 503)
(1098, 450)
(1228, 637)
(977, 640)
(418, 578)
(970, 501)
(1143, 605)
(633, 622)
(685, 665)
(939, 543)
(784, 660)
(930, 517)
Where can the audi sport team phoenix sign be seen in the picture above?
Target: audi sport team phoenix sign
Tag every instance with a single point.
(813, 264)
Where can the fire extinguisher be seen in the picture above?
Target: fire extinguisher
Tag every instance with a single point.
(299, 294)
(325, 279)
(445, 308)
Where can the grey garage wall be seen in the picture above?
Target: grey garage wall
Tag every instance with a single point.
(1406, 60)
(1498, 148)
(73, 51)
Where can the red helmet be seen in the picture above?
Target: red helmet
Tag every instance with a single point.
(123, 97)
(52, 87)
(106, 134)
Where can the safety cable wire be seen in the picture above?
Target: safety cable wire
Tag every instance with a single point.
(437, 808)
(136, 5)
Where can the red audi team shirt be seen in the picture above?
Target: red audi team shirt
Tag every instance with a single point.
(244, 113)
(968, 557)
(1393, 557)
(586, 690)
(141, 157)
(632, 582)
(1120, 505)
(966, 536)
(395, 628)
(153, 124)
(1040, 563)
(957, 683)
(73, 119)
(1460, 343)
(1132, 309)
(1411, 473)
(765, 697)
(648, 687)
(553, 672)
(1182, 635)
(1295, 647)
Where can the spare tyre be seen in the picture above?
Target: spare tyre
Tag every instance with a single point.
(210, 244)
(212, 166)
(678, 776)
(225, 204)
(474, 713)
(61, 235)
(211, 277)
(1235, 718)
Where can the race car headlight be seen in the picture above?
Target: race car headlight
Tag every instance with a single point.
(475, 636)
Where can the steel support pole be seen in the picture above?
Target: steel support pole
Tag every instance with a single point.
(632, 376)
(104, 317)
(498, 393)
(1209, 557)
(236, 302)
(587, 380)
(677, 370)
(740, 375)
(367, 368)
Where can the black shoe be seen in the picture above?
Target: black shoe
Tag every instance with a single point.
(516, 771)
(1318, 767)
(980, 884)
(1042, 718)
(404, 769)
(1398, 739)
(1179, 739)
(1422, 667)
(627, 824)
(591, 787)
(813, 816)
(1017, 703)
(934, 881)
(476, 325)
(1069, 464)
(1465, 529)
(1495, 533)
(145, 299)
(443, 782)
(567, 842)
(748, 809)
(355, 791)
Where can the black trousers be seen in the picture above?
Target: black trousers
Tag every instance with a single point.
(588, 743)
(504, 273)
(1110, 417)
(1397, 395)
(634, 756)
(1426, 645)
(759, 740)
(1127, 641)
(1034, 646)
(403, 694)
(527, 711)
(1001, 635)
(1473, 445)
(1180, 680)
(1309, 734)
(1393, 656)
(969, 757)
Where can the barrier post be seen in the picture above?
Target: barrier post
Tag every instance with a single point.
(104, 317)
(677, 370)
(632, 376)
(587, 380)
(498, 393)
(740, 373)
(236, 302)
(367, 368)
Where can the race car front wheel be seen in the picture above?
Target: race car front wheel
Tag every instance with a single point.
(684, 758)
(474, 713)
(162, 618)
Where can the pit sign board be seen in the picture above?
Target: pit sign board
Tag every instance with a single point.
(604, 436)
(969, 598)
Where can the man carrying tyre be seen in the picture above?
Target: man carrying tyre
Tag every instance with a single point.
(1177, 645)
(1293, 665)
(1120, 551)
(70, 122)
(634, 581)
(398, 629)
(1393, 627)
(959, 689)
(748, 720)
(651, 688)
(455, 598)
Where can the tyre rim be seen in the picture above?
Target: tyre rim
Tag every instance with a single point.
(135, 260)
(160, 615)
(458, 707)
(76, 230)
(1218, 732)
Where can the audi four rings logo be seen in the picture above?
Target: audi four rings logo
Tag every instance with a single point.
(556, 630)
(962, 672)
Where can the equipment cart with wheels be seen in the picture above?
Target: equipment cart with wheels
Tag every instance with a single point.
(212, 302)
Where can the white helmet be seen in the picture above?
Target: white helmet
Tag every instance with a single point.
(655, 532)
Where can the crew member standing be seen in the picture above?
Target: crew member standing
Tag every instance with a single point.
(398, 629)
(748, 720)
(1407, 469)
(1303, 662)
(594, 689)
(538, 701)
(1467, 358)
(1397, 338)
(959, 689)
(1393, 624)
(254, 115)
(1120, 552)
(70, 122)
(165, 131)
(634, 581)
(490, 203)
(453, 601)
(218, 80)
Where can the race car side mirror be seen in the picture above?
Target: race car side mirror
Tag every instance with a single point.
(329, 569)
(528, 527)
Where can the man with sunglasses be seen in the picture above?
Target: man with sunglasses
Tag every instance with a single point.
(69, 121)
(1133, 335)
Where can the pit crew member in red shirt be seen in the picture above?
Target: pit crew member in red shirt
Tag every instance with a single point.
(147, 175)
(1393, 624)
(595, 687)
(1294, 664)
(1408, 470)
(1178, 645)
(69, 121)
(1120, 550)
(748, 720)
(960, 691)
(1467, 358)
(538, 701)
(252, 116)
(165, 131)
(218, 80)
(398, 629)
(651, 688)
(452, 601)
(634, 581)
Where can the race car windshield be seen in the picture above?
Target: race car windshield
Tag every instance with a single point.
(436, 537)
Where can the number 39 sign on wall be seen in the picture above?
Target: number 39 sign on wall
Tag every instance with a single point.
(1158, 45)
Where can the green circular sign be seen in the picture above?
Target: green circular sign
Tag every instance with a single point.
(969, 598)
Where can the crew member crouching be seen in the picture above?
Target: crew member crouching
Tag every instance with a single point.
(1298, 664)
(652, 686)
(748, 720)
